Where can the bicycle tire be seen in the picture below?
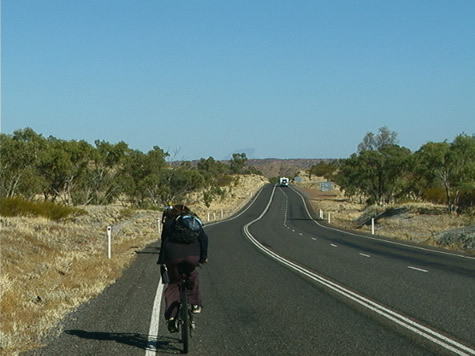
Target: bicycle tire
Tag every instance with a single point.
(185, 329)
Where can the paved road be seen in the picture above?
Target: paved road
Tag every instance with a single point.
(281, 283)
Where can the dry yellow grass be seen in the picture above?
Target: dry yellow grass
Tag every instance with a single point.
(49, 268)
(237, 195)
(410, 226)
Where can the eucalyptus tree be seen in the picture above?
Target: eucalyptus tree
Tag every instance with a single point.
(19, 154)
(237, 163)
(80, 154)
(150, 185)
(450, 165)
(54, 167)
(132, 173)
(372, 142)
(377, 171)
(178, 182)
(105, 182)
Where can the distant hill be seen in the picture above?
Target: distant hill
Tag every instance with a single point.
(274, 167)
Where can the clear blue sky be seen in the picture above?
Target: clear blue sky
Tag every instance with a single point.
(282, 79)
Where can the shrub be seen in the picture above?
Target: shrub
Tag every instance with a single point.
(467, 200)
(224, 181)
(49, 210)
(435, 195)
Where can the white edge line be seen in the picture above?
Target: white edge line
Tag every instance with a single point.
(400, 319)
(154, 322)
(377, 239)
(155, 318)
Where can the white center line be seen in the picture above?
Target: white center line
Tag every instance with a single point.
(314, 239)
(411, 325)
(333, 245)
(418, 269)
(365, 255)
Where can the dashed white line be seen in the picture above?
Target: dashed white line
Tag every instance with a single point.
(314, 239)
(364, 254)
(418, 269)
(431, 335)
(333, 245)
(421, 330)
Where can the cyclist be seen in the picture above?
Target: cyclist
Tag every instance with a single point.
(181, 258)
(167, 213)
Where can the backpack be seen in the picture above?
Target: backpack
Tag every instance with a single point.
(185, 228)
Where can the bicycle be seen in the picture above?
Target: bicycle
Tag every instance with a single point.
(185, 322)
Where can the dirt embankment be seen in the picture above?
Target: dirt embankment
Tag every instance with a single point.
(237, 195)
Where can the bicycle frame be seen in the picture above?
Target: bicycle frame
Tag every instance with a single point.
(185, 315)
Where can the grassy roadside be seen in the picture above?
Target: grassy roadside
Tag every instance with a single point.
(48, 268)
(418, 222)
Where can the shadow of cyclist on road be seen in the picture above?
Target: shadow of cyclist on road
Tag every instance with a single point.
(141, 341)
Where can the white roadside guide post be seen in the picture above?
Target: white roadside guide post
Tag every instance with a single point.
(329, 218)
(109, 241)
(372, 226)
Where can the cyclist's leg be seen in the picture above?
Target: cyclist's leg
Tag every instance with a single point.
(172, 295)
(172, 292)
(189, 267)
(176, 268)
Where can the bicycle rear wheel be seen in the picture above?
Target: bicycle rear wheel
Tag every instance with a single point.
(185, 329)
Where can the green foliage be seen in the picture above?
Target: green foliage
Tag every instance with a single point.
(75, 172)
(434, 195)
(372, 142)
(253, 170)
(21, 207)
(19, 155)
(382, 171)
(467, 200)
(449, 165)
(375, 174)
(224, 181)
(323, 169)
(377, 171)
(212, 193)
(237, 163)
(211, 168)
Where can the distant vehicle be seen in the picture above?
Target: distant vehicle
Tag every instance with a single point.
(284, 182)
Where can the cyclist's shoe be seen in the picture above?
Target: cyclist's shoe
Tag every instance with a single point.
(196, 309)
(172, 325)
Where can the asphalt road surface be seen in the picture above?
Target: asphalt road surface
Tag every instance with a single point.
(279, 282)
